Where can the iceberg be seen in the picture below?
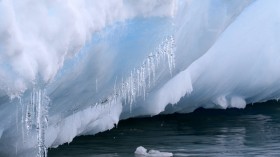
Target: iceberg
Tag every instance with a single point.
(142, 152)
(79, 67)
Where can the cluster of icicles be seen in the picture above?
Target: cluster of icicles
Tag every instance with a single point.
(35, 111)
(143, 77)
(35, 118)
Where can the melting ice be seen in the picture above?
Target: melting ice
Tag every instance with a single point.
(142, 152)
(77, 68)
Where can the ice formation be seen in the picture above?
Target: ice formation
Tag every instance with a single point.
(78, 67)
(142, 152)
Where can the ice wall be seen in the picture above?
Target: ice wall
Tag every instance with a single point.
(37, 36)
(77, 68)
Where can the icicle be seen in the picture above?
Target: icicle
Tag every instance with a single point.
(96, 86)
(138, 82)
(42, 102)
(17, 112)
(22, 120)
(35, 119)
(143, 78)
(148, 72)
(115, 91)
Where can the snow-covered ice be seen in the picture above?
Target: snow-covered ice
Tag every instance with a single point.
(142, 152)
(78, 67)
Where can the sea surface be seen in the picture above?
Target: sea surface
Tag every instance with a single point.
(254, 131)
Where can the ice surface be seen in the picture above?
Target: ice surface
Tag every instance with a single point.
(77, 68)
(142, 152)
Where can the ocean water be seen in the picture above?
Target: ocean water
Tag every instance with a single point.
(253, 131)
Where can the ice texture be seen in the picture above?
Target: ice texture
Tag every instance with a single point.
(142, 152)
(78, 67)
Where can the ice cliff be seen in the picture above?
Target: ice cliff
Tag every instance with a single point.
(71, 68)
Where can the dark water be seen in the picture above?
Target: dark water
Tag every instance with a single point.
(254, 131)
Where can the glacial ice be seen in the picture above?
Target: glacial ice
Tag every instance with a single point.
(142, 152)
(77, 68)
